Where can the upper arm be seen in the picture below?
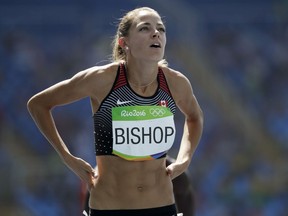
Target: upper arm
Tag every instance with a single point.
(67, 91)
(184, 96)
(188, 103)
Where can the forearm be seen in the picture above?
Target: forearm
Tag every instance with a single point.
(44, 120)
(42, 117)
(191, 136)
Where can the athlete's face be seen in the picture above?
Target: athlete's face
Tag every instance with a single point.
(147, 37)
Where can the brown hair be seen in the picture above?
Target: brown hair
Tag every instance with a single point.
(118, 53)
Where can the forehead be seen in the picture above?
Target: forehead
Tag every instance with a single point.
(146, 16)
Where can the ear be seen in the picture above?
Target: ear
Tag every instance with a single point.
(121, 42)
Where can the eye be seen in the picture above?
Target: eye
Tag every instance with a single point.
(162, 29)
(144, 28)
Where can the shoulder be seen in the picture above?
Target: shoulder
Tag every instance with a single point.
(177, 81)
(174, 74)
(181, 90)
(96, 76)
(91, 80)
(98, 71)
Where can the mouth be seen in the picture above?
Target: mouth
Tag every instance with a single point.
(155, 45)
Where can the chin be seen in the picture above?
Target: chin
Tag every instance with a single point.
(156, 58)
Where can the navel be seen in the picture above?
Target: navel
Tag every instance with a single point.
(140, 188)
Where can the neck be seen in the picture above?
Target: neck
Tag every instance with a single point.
(142, 86)
(141, 75)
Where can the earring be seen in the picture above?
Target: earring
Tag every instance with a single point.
(126, 47)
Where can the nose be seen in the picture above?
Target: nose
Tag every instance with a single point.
(156, 33)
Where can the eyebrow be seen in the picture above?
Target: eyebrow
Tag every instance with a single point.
(149, 24)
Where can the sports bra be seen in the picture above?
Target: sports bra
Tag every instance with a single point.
(132, 126)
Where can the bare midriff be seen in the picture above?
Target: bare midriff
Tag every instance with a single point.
(123, 184)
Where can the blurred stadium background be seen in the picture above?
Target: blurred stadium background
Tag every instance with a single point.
(233, 51)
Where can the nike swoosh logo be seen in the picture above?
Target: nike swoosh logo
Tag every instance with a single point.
(122, 102)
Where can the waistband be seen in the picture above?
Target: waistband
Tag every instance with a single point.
(169, 210)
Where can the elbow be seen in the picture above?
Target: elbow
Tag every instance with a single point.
(34, 105)
(30, 104)
(201, 117)
(197, 117)
(196, 120)
(201, 120)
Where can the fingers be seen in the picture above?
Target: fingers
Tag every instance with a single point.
(169, 171)
(90, 176)
(83, 169)
(90, 171)
(90, 185)
(172, 170)
(88, 168)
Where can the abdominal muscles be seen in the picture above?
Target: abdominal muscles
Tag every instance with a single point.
(131, 185)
